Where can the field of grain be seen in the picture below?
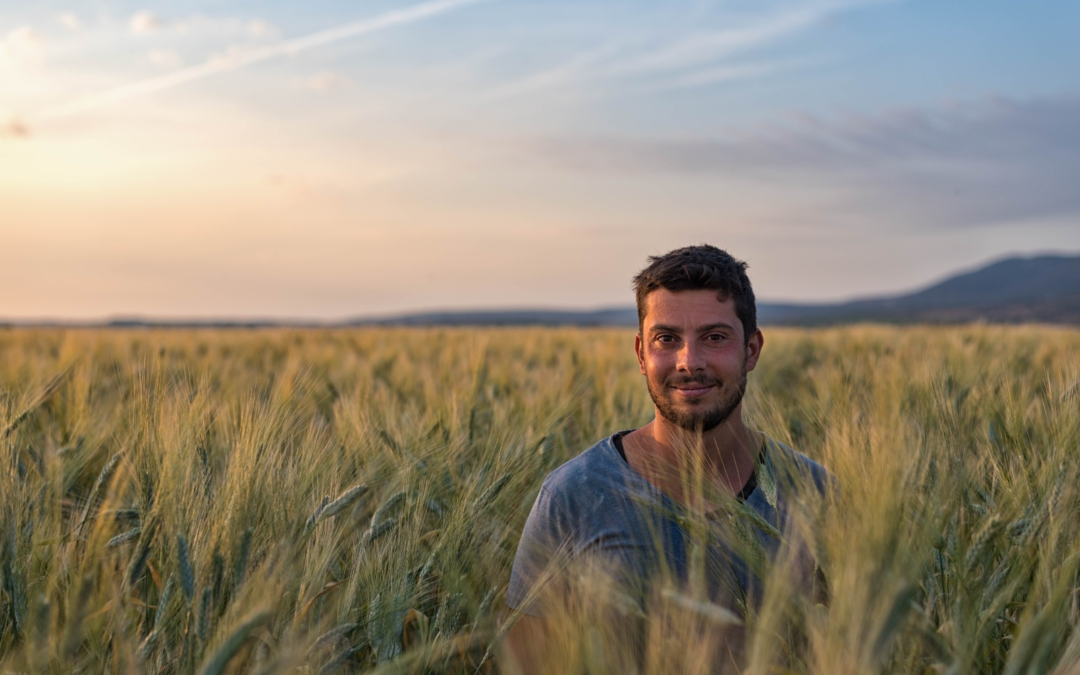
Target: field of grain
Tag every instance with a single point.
(305, 501)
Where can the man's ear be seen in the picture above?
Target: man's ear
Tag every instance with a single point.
(639, 349)
(753, 349)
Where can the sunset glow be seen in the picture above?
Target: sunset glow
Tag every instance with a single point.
(246, 159)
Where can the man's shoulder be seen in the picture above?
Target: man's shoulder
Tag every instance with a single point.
(580, 503)
(596, 467)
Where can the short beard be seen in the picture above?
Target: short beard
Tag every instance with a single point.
(699, 421)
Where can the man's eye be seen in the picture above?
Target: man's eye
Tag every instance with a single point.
(665, 339)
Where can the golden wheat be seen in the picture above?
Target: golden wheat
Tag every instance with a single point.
(162, 506)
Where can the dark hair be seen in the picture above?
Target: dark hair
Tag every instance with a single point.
(695, 268)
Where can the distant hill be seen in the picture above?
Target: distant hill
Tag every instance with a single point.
(1043, 289)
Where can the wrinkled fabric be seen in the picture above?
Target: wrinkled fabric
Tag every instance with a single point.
(596, 507)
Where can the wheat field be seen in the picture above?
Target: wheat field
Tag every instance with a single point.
(338, 501)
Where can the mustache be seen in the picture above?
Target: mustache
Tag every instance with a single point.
(701, 381)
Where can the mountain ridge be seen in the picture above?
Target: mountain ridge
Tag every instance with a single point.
(1044, 288)
(1016, 289)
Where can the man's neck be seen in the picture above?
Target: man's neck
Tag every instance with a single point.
(667, 456)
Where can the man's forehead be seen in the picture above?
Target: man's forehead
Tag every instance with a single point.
(696, 307)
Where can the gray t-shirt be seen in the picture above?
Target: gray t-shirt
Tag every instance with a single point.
(596, 507)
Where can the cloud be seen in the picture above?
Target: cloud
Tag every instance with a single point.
(724, 73)
(185, 26)
(955, 165)
(71, 22)
(575, 69)
(708, 47)
(145, 23)
(164, 58)
(326, 81)
(727, 73)
(12, 125)
(22, 45)
(260, 28)
(221, 26)
(688, 57)
(239, 58)
(233, 57)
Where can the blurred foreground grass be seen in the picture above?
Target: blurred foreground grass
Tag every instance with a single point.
(187, 501)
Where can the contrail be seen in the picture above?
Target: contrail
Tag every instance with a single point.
(248, 57)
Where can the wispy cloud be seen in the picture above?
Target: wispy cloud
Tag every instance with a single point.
(246, 57)
(232, 56)
(688, 57)
(21, 45)
(262, 29)
(725, 73)
(11, 125)
(164, 58)
(955, 165)
(698, 48)
(71, 21)
(145, 23)
(325, 81)
(574, 69)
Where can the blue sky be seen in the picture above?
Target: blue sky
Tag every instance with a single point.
(329, 159)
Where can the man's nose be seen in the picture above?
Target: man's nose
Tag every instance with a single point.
(691, 358)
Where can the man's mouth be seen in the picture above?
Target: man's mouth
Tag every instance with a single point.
(693, 390)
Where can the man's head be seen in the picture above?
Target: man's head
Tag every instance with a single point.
(702, 267)
(698, 336)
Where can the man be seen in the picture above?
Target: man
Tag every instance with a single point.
(628, 501)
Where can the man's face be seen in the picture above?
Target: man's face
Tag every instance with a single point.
(693, 354)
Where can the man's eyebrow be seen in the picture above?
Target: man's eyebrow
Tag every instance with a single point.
(661, 328)
(720, 325)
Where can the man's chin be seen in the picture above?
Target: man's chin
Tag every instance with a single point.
(698, 421)
(698, 414)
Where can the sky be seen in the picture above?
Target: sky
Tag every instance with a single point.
(326, 159)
